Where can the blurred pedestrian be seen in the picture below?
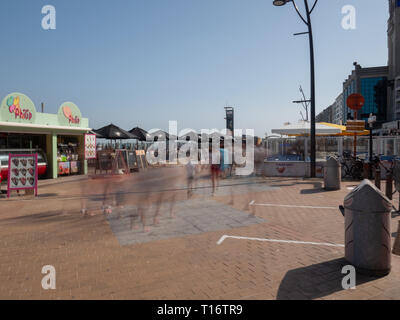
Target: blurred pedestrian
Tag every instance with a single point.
(214, 168)
(190, 176)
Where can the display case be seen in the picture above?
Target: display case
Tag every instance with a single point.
(68, 160)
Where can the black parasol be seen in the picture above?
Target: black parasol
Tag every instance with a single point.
(140, 133)
(113, 132)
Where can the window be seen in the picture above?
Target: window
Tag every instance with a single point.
(374, 92)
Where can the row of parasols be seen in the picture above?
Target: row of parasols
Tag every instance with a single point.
(113, 132)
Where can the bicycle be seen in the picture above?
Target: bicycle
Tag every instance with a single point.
(352, 167)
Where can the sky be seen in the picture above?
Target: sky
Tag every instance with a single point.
(145, 62)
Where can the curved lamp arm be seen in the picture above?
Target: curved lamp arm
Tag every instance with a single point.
(298, 11)
(315, 3)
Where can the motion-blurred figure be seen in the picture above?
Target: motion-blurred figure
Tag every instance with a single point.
(260, 154)
(190, 176)
(214, 168)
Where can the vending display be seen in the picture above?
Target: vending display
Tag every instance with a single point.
(22, 172)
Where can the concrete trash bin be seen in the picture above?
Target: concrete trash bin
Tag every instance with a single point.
(367, 213)
(332, 174)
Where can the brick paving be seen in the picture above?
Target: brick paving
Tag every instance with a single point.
(190, 217)
(92, 262)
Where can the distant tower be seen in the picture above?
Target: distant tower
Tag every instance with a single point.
(229, 120)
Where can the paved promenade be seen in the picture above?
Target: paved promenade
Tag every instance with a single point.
(255, 238)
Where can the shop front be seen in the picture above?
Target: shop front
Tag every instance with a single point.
(58, 139)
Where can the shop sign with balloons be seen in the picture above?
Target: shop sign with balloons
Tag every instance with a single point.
(17, 107)
(69, 114)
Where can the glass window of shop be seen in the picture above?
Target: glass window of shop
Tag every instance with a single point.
(377, 146)
(389, 147)
(22, 141)
(326, 146)
(68, 159)
(286, 149)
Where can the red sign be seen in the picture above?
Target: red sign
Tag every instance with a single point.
(355, 101)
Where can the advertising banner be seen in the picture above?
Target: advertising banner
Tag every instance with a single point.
(90, 146)
(64, 168)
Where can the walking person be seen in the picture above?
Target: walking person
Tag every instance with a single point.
(214, 168)
(259, 157)
(190, 175)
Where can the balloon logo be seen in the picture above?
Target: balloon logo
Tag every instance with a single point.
(67, 112)
(13, 104)
(10, 101)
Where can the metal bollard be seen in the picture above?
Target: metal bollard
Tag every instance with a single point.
(367, 229)
(396, 246)
(389, 185)
(332, 174)
(378, 178)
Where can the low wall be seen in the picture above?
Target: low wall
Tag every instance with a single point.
(291, 169)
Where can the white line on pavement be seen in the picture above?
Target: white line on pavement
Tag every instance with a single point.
(280, 241)
(252, 203)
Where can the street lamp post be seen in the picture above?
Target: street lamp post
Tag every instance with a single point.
(307, 21)
(371, 121)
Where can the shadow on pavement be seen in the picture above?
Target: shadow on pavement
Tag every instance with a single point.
(318, 188)
(290, 182)
(46, 195)
(316, 281)
(44, 217)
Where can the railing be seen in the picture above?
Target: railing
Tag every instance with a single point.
(298, 149)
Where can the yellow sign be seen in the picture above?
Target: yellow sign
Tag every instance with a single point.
(355, 126)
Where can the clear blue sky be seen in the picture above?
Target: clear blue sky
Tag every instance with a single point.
(144, 62)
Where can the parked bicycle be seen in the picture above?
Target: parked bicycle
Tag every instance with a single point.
(352, 167)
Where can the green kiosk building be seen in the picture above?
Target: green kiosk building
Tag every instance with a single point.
(57, 138)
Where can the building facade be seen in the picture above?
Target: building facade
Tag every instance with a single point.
(372, 83)
(394, 60)
(337, 111)
(332, 114)
(326, 115)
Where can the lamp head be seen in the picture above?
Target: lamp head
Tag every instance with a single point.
(279, 3)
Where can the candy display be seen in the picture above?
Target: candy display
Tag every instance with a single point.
(22, 172)
(67, 158)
